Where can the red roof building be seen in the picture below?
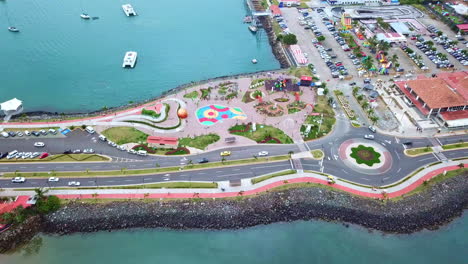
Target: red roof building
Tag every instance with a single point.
(463, 27)
(275, 10)
(154, 141)
(444, 97)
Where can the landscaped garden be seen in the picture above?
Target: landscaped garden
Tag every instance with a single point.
(162, 151)
(262, 134)
(192, 95)
(123, 135)
(365, 155)
(199, 142)
(316, 126)
(270, 109)
(295, 107)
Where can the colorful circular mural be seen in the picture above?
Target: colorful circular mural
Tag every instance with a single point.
(211, 114)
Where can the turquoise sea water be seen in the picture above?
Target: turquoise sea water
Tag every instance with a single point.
(60, 62)
(298, 242)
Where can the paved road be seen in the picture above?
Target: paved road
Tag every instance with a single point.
(214, 174)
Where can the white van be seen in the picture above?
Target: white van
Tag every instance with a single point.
(102, 137)
(142, 152)
(89, 130)
(5, 134)
(12, 154)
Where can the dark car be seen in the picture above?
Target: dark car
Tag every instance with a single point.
(408, 143)
(400, 70)
(3, 154)
(12, 134)
(68, 151)
(204, 160)
(35, 133)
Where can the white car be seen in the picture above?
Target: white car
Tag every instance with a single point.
(39, 144)
(88, 150)
(369, 136)
(263, 153)
(19, 134)
(27, 133)
(53, 179)
(74, 183)
(18, 180)
(35, 154)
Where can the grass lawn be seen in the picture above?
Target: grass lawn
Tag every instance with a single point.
(199, 142)
(63, 158)
(317, 153)
(123, 135)
(168, 185)
(456, 145)
(193, 95)
(298, 72)
(365, 155)
(269, 176)
(126, 172)
(263, 132)
(418, 151)
(29, 129)
(328, 120)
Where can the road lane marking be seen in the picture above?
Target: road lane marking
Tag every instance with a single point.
(227, 175)
(399, 169)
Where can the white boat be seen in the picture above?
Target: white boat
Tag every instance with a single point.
(130, 59)
(85, 16)
(253, 29)
(128, 10)
(13, 29)
(254, 61)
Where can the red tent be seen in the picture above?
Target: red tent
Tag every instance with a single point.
(306, 80)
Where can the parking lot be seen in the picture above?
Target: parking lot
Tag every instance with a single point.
(75, 140)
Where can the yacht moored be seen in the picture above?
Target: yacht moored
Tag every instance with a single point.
(253, 29)
(13, 29)
(85, 16)
(128, 10)
(130, 59)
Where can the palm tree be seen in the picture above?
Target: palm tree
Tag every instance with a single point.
(374, 119)
(394, 59)
(461, 165)
(240, 193)
(40, 193)
(223, 159)
(290, 153)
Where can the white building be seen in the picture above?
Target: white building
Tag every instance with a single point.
(11, 107)
(355, 2)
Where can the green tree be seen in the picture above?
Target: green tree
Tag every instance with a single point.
(40, 193)
(374, 119)
(321, 38)
(48, 204)
(290, 39)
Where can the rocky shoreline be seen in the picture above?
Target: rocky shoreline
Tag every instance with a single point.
(426, 210)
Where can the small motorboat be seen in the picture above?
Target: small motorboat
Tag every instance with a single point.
(254, 61)
(13, 29)
(247, 19)
(253, 29)
(85, 16)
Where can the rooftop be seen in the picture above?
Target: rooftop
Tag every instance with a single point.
(162, 140)
(436, 93)
(10, 105)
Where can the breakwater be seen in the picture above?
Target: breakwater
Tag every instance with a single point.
(430, 209)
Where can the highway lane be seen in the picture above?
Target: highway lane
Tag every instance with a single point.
(211, 174)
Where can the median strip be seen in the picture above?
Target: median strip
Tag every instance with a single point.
(126, 172)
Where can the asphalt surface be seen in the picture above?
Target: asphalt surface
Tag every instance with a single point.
(213, 174)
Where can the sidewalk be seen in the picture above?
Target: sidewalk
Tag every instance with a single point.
(247, 188)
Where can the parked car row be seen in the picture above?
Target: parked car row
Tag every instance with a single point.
(459, 54)
(15, 154)
(336, 67)
(415, 57)
(51, 179)
(42, 132)
(438, 58)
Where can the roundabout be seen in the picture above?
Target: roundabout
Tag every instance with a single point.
(365, 156)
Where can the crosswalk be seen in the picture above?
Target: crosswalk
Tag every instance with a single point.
(297, 165)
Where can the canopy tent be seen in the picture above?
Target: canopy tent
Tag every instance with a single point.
(11, 105)
(298, 55)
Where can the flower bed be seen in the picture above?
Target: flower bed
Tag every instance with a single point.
(179, 151)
